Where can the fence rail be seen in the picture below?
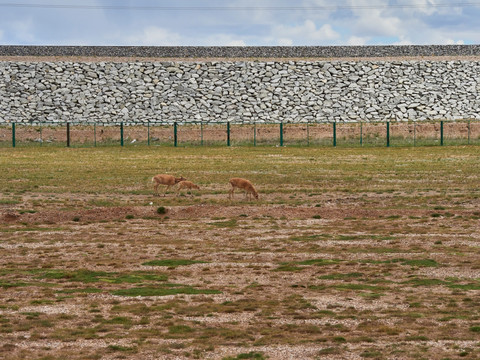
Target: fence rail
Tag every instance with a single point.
(86, 134)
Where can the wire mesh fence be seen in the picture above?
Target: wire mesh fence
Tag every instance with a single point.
(465, 132)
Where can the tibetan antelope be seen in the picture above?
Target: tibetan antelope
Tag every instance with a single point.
(243, 184)
(186, 185)
(168, 180)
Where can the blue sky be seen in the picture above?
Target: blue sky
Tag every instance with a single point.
(239, 22)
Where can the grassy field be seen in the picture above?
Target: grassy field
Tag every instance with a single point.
(349, 253)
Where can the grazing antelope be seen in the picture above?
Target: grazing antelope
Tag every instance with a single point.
(168, 180)
(186, 185)
(243, 184)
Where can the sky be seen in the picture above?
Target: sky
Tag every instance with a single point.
(239, 22)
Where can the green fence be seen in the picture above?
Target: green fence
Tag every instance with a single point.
(425, 133)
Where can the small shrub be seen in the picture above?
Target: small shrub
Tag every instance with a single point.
(76, 219)
(316, 217)
(161, 210)
(129, 216)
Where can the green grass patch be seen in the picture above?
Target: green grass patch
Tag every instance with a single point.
(420, 262)
(88, 276)
(7, 285)
(359, 287)
(316, 237)
(224, 224)
(318, 262)
(9, 202)
(426, 282)
(115, 348)
(471, 286)
(288, 268)
(167, 289)
(364, 237)
(251, 355)
(348, 276)
(173, 262)
(80, 291)
(180, 329)
(300, 265)
(31, 229)
(413, 262)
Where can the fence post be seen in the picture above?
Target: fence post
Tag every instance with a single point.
(308, 134)
(95, 134)
(334, 134)
(388, 133)
(468, 132)
(121, 133)
(175, 134)
(361, 133)
(148, 133)
(254, 134)
(414, 134)
(68, 134)
(281, 134)
(228, 133)
(441, 133)
(13, 134)
(201, 133)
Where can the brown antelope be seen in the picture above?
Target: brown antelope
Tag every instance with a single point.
(186, 185)
(243, 184)
(168, 180)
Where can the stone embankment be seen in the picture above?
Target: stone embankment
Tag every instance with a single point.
(265, 90)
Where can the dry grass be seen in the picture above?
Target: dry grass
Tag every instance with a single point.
(349, 253)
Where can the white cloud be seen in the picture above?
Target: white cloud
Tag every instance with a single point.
(403, 41)
(284, 42)
(305, 34)
(454, 42)
(154, 36)
(424, 7)
(357, 40)
(374, 23)
(219, 40)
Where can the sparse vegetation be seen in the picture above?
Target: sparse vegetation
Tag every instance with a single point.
(86, 257)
